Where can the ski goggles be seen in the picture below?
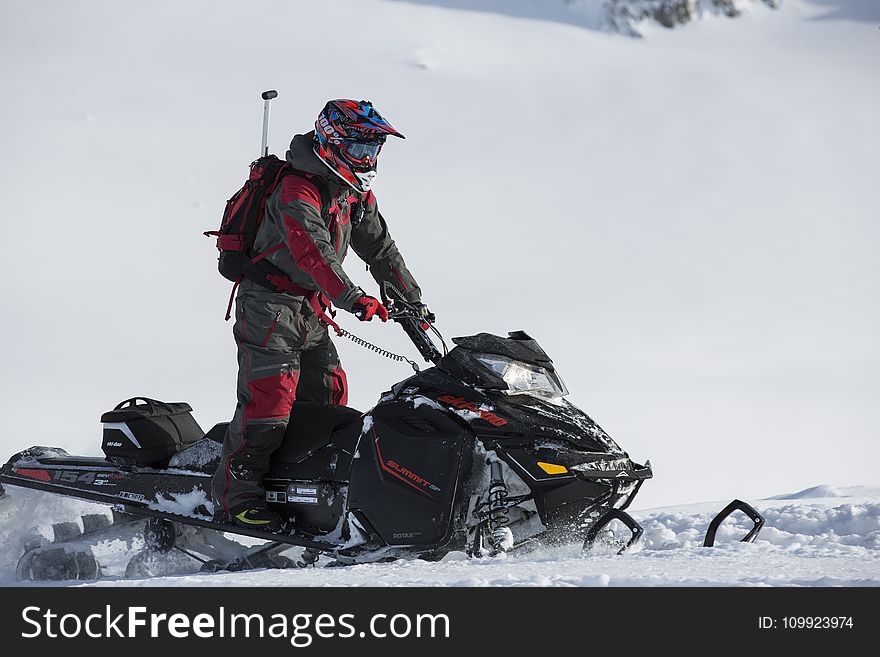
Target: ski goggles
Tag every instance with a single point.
(360, 151)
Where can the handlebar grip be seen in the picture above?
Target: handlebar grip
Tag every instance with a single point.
(420, 339)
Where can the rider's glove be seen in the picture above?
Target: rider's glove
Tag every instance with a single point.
(365, 307)
(425, 315)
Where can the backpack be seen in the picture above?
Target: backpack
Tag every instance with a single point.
(238, 229)
(242, 218)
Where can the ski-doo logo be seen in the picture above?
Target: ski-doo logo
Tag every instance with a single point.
(330, 131)
(465, 405)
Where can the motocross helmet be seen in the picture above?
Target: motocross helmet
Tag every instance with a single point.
(348, 137)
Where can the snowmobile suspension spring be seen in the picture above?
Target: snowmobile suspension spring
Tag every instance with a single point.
(379, 350)
(497, 515)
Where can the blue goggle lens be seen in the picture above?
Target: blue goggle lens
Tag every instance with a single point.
(362, 150)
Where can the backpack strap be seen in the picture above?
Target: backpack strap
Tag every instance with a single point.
(232, 298)
(271, 277)
(319, 184)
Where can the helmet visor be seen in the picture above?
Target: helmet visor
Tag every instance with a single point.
(362, 151)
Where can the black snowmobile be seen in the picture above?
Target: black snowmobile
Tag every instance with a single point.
(480, 453)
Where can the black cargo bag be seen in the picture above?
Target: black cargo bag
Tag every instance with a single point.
(142, 431)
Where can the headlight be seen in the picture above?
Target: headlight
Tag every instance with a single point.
(522, 378)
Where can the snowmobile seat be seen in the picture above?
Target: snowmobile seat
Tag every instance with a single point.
(311, 427)
(217, 432)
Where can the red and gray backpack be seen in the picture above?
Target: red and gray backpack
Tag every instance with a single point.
(241, 220)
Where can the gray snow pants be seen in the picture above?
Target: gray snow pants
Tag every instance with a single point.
(284, 353)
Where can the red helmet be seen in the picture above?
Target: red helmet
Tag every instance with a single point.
(348, 137)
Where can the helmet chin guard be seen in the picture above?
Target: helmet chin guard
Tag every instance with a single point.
(366, 179)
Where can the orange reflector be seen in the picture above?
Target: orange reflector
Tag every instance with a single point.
(552, 468)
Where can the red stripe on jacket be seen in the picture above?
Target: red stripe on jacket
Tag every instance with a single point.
(294, 188)
(305, 252)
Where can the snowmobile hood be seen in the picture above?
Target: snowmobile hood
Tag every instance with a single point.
(302, 156)
(517, 346)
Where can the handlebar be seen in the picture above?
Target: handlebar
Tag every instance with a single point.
(413, 329)
(401, 311)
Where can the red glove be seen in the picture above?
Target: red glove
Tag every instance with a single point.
(365, 307)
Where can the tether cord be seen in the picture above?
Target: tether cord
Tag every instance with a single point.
(379, 350)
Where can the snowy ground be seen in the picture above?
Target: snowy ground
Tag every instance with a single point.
(818, 537)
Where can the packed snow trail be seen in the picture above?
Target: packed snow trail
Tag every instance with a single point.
(817, 537)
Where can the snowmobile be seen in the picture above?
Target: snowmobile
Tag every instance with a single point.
(479, 453)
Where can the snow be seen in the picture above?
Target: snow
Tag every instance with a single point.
(828, 491)
(196, 456)
(365, 429)
(686, 222)
(816, 541)
(185, 504)
(26, 515)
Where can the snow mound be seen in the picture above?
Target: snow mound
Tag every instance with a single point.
(822, 491)
(843, 529)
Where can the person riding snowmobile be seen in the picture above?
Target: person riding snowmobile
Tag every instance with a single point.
(284, 349)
